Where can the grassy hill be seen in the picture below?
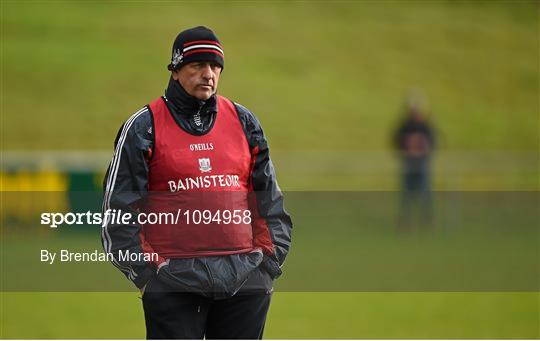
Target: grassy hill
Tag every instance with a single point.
(321, 76)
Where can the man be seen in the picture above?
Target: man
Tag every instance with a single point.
(194, 151)
(415, 142)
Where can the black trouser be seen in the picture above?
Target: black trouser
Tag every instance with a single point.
(178, 315)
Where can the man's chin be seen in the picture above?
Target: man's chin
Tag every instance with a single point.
(203, 95)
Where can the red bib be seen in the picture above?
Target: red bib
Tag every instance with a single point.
(208, 174)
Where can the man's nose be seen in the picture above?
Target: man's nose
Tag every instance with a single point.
(207, 72)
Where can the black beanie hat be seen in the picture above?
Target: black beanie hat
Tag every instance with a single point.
(198, 44)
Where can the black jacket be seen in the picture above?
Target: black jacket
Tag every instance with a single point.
(415, 163)
(126, 185)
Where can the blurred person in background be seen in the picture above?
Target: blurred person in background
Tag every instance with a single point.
(213, 280)
(414, 140)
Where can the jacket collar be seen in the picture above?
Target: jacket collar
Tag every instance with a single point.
(187, 105)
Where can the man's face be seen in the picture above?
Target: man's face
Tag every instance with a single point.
(199, 79)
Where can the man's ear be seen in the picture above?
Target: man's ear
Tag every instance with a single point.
(175, 74)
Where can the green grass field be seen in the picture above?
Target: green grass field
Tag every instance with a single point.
(473, 275)
(292, 315)
(328, 81)
(73, 72)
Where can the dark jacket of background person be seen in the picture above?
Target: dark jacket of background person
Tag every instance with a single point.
(414, 139)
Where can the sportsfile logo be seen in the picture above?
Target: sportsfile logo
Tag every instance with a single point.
(117, 217)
